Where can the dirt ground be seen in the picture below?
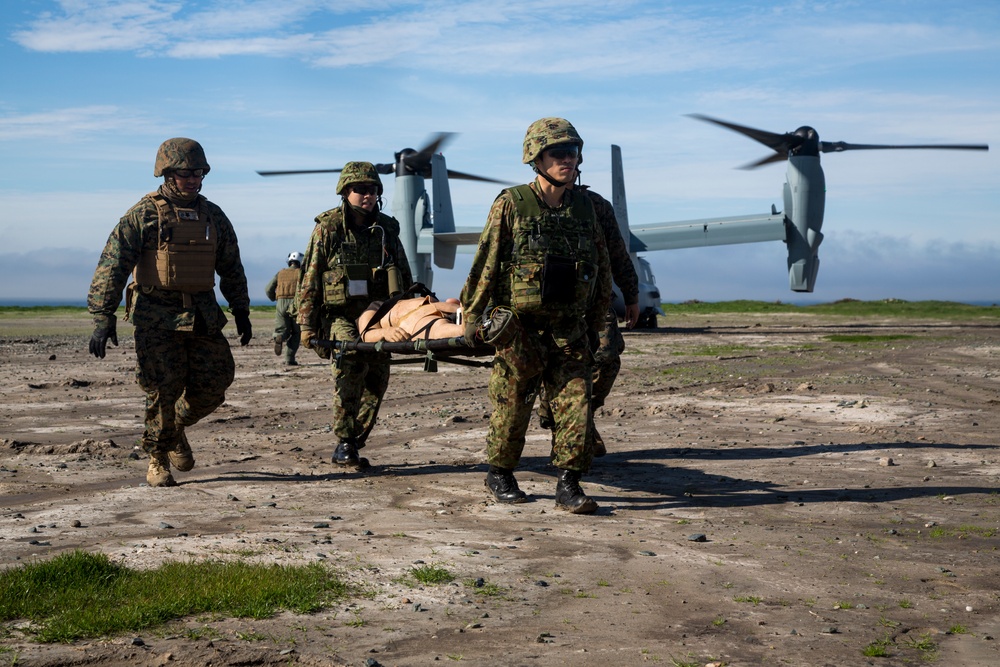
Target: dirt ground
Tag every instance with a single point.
(770, 497)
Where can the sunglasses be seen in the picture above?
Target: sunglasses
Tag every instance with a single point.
(189, 173)
(563, 152)
(365, 189)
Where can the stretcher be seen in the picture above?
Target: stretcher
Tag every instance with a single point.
(431, 351)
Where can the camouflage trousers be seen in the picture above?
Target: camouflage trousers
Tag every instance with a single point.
(607, 364)
(519, 372)
(286, 328)
(360, 380)
(185, 377)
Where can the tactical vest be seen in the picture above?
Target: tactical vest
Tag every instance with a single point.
(553, 267)
(288, 281)
(357, 275)
(184, 258)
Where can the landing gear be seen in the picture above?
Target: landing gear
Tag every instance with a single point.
(647, 320)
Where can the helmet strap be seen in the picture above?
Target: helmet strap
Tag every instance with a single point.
(552, 181)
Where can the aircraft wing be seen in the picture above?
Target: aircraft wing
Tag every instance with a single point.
(443, 245)
(708, 232)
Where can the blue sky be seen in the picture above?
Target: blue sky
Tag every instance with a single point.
(91, 88)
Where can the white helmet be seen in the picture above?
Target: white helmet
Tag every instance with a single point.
(295, 257)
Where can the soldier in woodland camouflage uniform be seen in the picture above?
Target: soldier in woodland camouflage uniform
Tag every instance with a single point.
(542, 255)
(354, 257)
(282, 289)
(176, 241)
(607, 360)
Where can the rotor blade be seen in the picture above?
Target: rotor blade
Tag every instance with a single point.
(777, 157)
(422, 157)
(840, 146)
(299, 171)
(780, 143)
(472, 177)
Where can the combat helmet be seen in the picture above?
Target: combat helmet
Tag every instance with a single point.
(547, 132)
(358, 172)
(295, 257)
(180, 153)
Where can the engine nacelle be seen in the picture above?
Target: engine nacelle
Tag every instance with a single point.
(805, 200)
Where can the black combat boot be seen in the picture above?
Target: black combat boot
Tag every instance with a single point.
(346, 453)
(569, 495)
(503, 486)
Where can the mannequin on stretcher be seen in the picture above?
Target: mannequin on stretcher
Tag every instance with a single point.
(408, 319)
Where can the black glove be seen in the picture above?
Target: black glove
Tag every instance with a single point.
(101, 336)
(243, 327)
(593, 340)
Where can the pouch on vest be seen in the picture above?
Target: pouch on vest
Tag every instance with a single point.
(357, 281)
(345, 282)
(500, 327)
(129, 299)
(558, 280)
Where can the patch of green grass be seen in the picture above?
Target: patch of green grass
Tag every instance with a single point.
(958, 629)
(685, 663)
(877, 649)
(488, 589)
(78, 595)
(924, 644)
(963, 531)
(718, 621)
(844, 605)
(431, 574)
(905, 604)
(748, 598)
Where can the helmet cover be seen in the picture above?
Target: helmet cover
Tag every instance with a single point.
(358, 172)
(180, 153)
(547, 132)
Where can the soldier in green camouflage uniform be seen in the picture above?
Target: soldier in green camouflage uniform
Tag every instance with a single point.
(176, 241)
(354, 257)
(281, 289)
(607, 361)
(543, 256)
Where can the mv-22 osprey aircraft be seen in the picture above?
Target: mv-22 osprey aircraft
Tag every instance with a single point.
(428, 232)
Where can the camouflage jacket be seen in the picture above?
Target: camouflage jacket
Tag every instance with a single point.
(329, 235)
(621, 262)
(487, 285)
(156, 308)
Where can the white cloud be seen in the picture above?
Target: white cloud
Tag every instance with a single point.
(589, 38)
(73, 123)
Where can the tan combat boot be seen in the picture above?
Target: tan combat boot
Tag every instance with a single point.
(158, 473)
(181, 456)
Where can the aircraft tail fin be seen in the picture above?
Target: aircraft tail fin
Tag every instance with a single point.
(443, 215)
(618, 196)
